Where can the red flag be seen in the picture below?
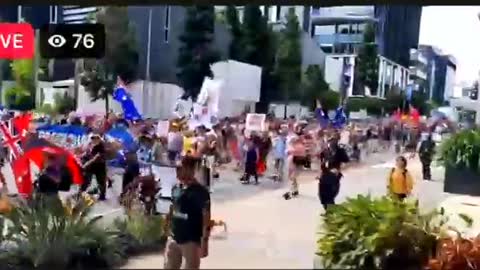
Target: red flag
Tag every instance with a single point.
(397, 115)
(414, 115)
(22, 123)
(23, 175)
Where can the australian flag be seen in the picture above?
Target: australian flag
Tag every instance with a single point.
(340, 118)
(321, 116)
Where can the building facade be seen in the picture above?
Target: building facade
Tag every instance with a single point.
(340, 31)
(441, 74)
(398, 31)
(418, 71)
(158, 29)
(76, 14)
(276, 17)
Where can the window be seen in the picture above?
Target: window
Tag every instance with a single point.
(272, 13)
(166, 29)
(53, 14)
(361, 27)
(324, 29)
(278, 16)
(327, 49)
(343, 29)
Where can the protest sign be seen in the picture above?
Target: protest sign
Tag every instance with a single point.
(162, 128)
(255, 122)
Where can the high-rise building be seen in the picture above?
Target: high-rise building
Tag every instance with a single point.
(441, 71)
(398, 31)
(340, 29)
(418, 71)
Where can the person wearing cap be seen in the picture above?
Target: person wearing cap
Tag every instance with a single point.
(96, 166)
(332, 159)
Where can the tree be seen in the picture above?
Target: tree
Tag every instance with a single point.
(329, 99)
(196, 53)
(367, 62)
(373, 106)
(63, 103)
(313, 85)
(22, 95)
(235, 51)
(121, 55)
(259, 47)
(289, 56)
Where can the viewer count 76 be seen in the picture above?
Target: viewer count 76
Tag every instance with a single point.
(72, 41)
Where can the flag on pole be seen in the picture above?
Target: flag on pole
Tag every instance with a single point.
(409, 92)
(321, 116)
(340, 118)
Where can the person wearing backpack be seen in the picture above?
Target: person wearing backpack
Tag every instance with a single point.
(400, 181)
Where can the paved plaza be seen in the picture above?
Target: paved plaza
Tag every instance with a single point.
(266, 231)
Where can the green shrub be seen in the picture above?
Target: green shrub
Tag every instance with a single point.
(374, 106)
(461, 150)
(43, 233)
(383, 233)
(141, 233)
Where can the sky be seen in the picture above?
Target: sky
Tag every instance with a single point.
(456, 31)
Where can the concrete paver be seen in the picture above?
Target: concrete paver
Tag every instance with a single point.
(266, 231)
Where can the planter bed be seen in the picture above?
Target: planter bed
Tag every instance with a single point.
(462, 181)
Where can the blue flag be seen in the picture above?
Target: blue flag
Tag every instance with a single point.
(409, 92)
(321, 116)
(340, 118)
(129, 110)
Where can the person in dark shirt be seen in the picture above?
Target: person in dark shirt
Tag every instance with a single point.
(189, 217)
(49, 177)
(251, 160)
(331, 159)
(426, 152)
(132, 170)
(96, 166)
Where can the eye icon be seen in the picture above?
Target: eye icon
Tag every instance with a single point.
(57, 41)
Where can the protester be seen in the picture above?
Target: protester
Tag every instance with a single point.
(189, 218)
(296, 161)
(251, 160)
(332, 159)
(50, 176)
(132, 171)
(400, 182)
(426, 152)
(188, 143)
(264, 145)
(175, 144)
(96, 166)
(279, 142)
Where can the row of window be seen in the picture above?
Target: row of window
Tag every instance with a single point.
(354, 28)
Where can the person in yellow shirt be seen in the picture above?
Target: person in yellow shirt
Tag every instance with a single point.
(188, 143)
(400, 181)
